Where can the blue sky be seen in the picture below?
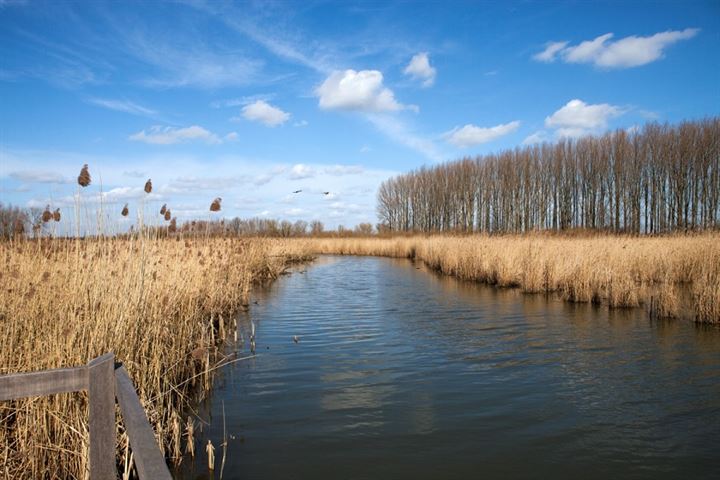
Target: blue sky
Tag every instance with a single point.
(252, 101)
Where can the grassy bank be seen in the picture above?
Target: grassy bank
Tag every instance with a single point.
(162, 305)
(615, 270)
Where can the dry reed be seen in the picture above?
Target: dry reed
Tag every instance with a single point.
(154, 302)
(618, 271)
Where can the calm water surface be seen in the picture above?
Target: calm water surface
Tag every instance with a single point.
(403, 374)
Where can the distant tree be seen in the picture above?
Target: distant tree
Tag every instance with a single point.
(14, 221)
(364, 229)
(316, 227)
(655, 179)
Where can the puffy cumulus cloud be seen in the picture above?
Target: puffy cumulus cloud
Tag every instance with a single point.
(419, 68)
(577, 118)
(357, 91)
(470, 135)
(301, 171)
(159, 135)
(632, 51)
(263, 112)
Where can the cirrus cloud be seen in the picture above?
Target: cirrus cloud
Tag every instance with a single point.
(158, 135)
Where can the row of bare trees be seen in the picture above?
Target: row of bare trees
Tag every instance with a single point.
(656, 179)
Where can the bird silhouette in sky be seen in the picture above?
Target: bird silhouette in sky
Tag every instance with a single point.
(326, 193)
(297, 191)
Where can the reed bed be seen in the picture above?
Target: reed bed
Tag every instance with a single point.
(619, 271)
(162, 305)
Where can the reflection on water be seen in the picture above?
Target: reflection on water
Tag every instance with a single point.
(402, 373)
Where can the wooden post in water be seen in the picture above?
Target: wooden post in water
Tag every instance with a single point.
(101, 392)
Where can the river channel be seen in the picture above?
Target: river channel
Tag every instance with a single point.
(401, 373)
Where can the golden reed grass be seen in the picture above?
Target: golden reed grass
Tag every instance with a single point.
(161, 305)
(615, 270)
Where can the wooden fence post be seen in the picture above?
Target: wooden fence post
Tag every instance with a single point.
(101, 391)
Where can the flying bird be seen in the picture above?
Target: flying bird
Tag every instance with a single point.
(297, 191)
(326, 193)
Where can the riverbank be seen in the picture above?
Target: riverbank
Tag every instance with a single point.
(163, 306)
(619, 271)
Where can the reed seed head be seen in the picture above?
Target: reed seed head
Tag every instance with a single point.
(148, 186)
(167, 214)
(215, 205)
(47, 215)
(173, 226)
(163, 209)
(84, 177)
(125, 211)
(56, 215)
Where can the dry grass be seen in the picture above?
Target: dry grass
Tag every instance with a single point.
(614, 270)
(162, 305)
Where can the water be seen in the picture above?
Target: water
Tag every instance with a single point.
(400, 373)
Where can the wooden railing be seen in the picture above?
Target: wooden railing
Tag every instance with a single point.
(104, 381)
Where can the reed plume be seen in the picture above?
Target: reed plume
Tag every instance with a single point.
(167, 215)
(56, 215)
(125, 211)
(163, 209)
(47, 215)
(173, 225)
(148, 186)
(84, 177)
(215, 205)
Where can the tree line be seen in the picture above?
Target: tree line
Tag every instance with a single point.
(656, 179)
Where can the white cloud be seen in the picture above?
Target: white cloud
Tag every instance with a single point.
(419, 68)
(396, 130)
(577, 118)
(37, 176)
(231, 137)
(301, 123)
(339, 170)
(263, 112)
(301, 171)
(550, 52)
(632, 51)
(159, 135)
(365, 149)
(470, 135)
(122, 106)
(537, 137)
(359, 91)
(295, 212)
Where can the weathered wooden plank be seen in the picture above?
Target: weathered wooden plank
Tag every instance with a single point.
(46, 382)
(101, 394)
(149, 460)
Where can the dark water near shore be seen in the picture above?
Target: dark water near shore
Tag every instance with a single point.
(404, 374)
